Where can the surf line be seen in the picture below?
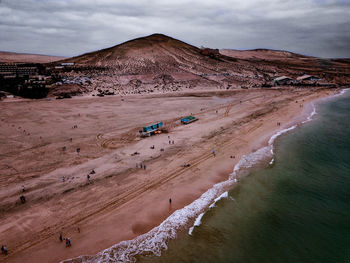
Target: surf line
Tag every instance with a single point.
(249, 160)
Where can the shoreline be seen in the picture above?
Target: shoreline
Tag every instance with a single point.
(293, 125)
(209, 198)
(98, 232)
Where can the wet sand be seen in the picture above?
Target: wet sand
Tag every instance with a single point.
(122, 201)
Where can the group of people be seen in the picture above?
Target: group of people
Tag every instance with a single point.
(68, 241)
(4, 249)
(141, 166)
(171, 142)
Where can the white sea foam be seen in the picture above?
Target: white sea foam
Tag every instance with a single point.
(249, 160)
(197, 222)
(309, 118)
(341, 92)
(277, 134)
(156, 239)
(223, 195)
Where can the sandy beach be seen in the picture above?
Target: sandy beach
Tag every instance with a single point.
(38, 147)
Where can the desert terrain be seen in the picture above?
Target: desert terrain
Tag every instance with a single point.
(51, 146)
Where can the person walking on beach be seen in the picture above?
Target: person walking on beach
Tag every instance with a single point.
(61, 238)
(214, 153)
(23, 188)
(23, 199)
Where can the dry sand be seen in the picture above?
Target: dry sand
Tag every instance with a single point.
(121, 201)
(12, 57)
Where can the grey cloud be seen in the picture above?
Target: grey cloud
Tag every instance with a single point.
(72, 27)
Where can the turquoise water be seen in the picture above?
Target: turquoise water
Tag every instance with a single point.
(297, 210)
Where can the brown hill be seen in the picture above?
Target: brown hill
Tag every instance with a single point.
(161, 63)
(156, 53)
(12, 57)
(158, 63)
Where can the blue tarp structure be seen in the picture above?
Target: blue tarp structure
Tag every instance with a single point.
(153, 127)
(188, 119)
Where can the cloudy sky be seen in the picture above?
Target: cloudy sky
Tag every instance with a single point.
(71, 27)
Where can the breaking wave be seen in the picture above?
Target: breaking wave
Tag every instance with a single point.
(198, 220)
(341, 92)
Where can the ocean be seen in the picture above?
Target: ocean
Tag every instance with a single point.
(294, 209)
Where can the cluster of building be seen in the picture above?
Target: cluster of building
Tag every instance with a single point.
(76, 80)
(18, 70)
(303, 80)
(64, 65)
(24, 79)
(34, 80)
